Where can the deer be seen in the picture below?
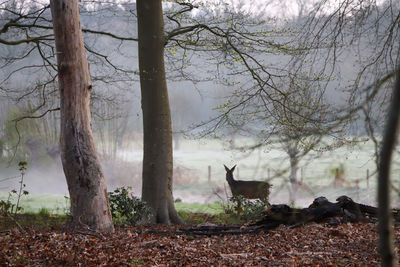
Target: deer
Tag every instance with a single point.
(247, 189)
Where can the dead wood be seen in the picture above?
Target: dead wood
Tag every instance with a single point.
(322, 210)
(210, 230)
(344, 210)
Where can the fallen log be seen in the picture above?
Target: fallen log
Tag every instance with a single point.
(322, 210)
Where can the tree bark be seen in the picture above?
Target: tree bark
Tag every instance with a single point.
(85, 179)
(157, 131)
(385, 225)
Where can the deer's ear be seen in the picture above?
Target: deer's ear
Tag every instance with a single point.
(226, 168)
(233, 168)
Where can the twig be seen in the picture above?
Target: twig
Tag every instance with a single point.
(14, 220)
(95, 234)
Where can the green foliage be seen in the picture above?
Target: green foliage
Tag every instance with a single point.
(67, 209)
(7, 207)
(127, 209)
(22, 168)
(26, 139)
(198, 218)
(44, 212)
(17, 133)
(338, 171)
(253, 210)
(248, 210)
(236, 210)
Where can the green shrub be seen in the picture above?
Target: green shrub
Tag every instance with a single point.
(248, 210)
(7, 207)
(127, 209)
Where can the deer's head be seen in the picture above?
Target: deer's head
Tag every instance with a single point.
(229, 173)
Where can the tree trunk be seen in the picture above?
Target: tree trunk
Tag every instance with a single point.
(85, 179)
(385, 226)
(294, 165)
(157, 131)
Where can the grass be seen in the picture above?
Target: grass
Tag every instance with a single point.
(191, 213)
(43, 219)
(54, 204)
(214, 208)
(58, 204)
(35, 220)
(199, 218)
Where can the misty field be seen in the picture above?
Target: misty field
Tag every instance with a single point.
(200, 176)
(317, 170)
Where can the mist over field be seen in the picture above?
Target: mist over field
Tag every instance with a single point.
(191, 174)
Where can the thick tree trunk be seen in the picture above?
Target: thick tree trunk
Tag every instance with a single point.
(157, 158)
(85, 179)
(385, 226)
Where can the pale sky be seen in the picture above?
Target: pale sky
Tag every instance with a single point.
(282, 8)
(271, 8)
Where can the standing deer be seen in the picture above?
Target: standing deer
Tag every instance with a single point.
(247, 189)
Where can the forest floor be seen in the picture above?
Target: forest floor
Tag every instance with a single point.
(307, 245)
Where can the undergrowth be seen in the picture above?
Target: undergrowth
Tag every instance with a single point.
(44, 219)
(32, 220)
(126, 209)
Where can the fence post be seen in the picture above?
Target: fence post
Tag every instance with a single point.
(209, 173)
(367, 178)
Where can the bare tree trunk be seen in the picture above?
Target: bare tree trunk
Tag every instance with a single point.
(157, 158)
(85, 179)
(293, 152)
(385, 226)
(294, 165)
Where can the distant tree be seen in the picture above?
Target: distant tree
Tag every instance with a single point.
(273, 93)
(366, 35)
(85, 179)
(302, 129)
(28, 54)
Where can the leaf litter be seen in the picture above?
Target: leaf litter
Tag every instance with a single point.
(308, 245)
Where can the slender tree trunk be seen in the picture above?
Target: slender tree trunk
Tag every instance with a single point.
(385, 226)
(294, 165)
(85, 179)
(157, 157)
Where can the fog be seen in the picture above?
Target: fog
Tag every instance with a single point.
(194, 183)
